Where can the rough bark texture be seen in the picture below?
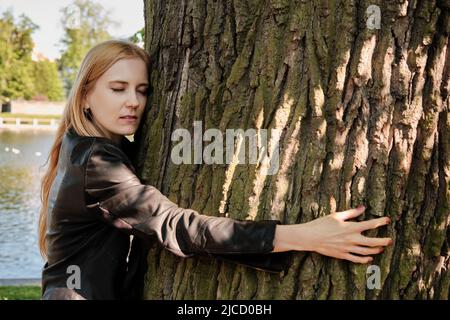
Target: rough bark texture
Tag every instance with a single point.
(365, 118)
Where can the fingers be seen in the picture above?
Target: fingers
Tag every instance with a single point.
(366, 250)
(362, 251)
(372, 224)
(373, 242)
(351, 213)
(357, 259)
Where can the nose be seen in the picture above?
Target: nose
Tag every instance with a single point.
(133, 100)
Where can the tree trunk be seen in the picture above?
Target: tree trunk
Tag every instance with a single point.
(364, 116)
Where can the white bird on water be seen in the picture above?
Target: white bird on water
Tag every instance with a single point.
(6, 149)
(38, 154)
(15, 151)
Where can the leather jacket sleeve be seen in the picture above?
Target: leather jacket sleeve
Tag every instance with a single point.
(116, 195)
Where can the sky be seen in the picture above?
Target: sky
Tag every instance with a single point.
(46, 14)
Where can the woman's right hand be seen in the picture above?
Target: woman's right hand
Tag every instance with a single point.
(333, 236)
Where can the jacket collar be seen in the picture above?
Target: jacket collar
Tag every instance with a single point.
(125, 144)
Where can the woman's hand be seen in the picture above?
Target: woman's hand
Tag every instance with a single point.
(333, 236)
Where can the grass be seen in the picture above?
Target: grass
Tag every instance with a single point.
(29, 116)
(20, 293)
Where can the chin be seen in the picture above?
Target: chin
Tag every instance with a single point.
(128, 132)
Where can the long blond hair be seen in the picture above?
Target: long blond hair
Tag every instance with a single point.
(96, 62)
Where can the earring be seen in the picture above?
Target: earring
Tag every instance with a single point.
(87, 112)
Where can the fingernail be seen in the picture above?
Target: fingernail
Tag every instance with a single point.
(361, 206)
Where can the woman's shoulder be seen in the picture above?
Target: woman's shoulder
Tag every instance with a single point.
(83, 148)
(107, 161)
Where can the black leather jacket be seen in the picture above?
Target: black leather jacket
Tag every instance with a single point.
(96, 202)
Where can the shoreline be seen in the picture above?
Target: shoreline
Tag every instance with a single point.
(20, 282)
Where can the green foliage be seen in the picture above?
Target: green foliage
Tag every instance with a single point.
(20, 76)
(85, 24)
(48, 84)
(16, 65)
(138, 37)
(20, 293)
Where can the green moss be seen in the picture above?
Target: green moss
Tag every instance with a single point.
(238, 70)
(203, 189)
(200, 99)
(236, 200)
(215, 108)
(156, 130)
(248, 284)
(338, 280)
(204, 279)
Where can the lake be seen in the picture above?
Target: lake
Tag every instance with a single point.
(22, 157)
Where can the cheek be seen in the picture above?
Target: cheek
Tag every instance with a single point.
(142, 107)
(108, 106)
(105, 98)
(114, 101)
(142, 102)
(143, 99)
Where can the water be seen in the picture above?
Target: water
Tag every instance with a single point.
(20, 175)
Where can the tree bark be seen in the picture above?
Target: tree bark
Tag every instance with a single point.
(365, 119)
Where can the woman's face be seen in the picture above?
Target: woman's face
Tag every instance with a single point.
(121, 91)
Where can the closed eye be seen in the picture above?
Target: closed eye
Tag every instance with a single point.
(119, 90)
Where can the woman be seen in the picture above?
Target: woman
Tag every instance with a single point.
(92, 200)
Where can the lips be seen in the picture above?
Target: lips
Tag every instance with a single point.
(128, 117)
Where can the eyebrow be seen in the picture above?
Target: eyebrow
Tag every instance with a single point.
(126, 82)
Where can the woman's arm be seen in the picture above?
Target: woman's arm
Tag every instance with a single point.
(333, 236)
(115, 194)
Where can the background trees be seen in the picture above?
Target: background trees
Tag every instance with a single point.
(20, 75)
(85, 24)
(47, 83)
(16, 46)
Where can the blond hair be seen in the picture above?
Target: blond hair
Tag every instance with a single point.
(96, 62)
